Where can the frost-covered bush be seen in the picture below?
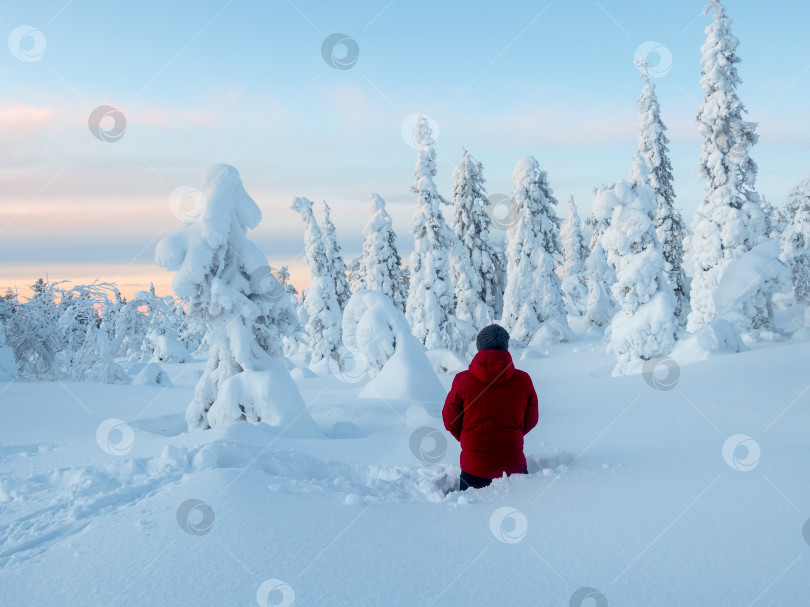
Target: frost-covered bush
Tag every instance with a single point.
(8, 366)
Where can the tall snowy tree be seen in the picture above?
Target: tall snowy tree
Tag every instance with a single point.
(475, 281)
(795, 250)
(575, 251)
(600, 274)
(797, 197)
(380, 265)
(653, 151)
(574, 277)
(773, 219)
(324, 317)
(337, 267)
(729, 221)
(645, 326)
(224, 276)
(430, 294)
(532, 296)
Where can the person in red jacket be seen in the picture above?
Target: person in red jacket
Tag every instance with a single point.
(489, 409)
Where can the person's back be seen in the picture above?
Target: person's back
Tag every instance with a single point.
(489, 408)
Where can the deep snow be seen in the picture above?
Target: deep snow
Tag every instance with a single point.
(629, 494)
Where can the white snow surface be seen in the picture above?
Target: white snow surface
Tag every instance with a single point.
(633, 491)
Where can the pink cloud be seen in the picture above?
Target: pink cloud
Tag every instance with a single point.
(19, 117)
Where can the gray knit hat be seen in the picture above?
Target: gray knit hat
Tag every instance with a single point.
(493, 337)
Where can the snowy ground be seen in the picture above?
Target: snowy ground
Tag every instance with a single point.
(630, 494)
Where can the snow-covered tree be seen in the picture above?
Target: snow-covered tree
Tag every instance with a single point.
(337, 267)
(283, 276)
(380, 266)
(8, 363)
(600, 274)
(729, 221)
(430, 301)
(320, 301)
(85, 353)
(797, 197)
(356, 275)
(224, 276)
(795, 250)
(31, 332)
(474, 265)
(575, 251)
(653, 152)
(645, 326)
(533, 296)
(773, 219)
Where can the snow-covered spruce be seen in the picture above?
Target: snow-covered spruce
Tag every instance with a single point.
(337, 267)
(729, 221)
(774, 224)
(645, 326)
(473, 266)
(533, 298)
(797, 197)
(795, 250)
(379, 267)
(600, 274)
(225, 278)
(320, 300)
(430, 294)
(575, 251)
(653, 151)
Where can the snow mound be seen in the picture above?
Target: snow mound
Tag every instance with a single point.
(638, 336)
(446, 361)
(757, 270)
(716, 337)
(268, 395)
(372, 327)
(599, 307)
(552, 331)
(167, 348)
(152, 375)
(408, 374)
(376, 330)
(293, 472)
(575, 295)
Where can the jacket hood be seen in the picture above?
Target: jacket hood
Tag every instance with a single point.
(492, 366)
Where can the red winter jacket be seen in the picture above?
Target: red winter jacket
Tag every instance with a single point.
(489, 409)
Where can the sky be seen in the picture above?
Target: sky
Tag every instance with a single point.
(191, 84)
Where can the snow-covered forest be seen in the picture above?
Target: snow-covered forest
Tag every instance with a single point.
(250, 439)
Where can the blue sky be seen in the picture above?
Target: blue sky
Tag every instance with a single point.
(244, 82)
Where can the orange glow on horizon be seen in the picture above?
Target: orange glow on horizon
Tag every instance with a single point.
(129, 280)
